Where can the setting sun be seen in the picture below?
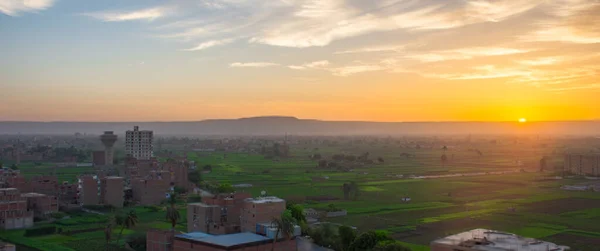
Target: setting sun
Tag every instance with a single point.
(522, 120)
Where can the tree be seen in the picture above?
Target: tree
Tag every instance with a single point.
(108, 233)
(297, 212)
(380, 159)
(444, 159)
(225, 188)
(368, 240)
(285, 225)
(14, 167)
(179, 190)
(195, 177)
(126, 221)
(347, 236)
(172, 213)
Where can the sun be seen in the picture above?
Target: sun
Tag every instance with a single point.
(522, 120)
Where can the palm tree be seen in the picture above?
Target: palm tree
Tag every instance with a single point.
(108, 233)
(172, 213)
(127, 221)
(285, 224)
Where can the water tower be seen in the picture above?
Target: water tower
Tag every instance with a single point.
(108, 139)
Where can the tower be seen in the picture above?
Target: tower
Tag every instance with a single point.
(108, 139)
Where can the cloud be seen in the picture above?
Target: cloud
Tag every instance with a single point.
(253, 64)
(312, 65)
(575, 88)
(120, 16)
(14, 7)
(355, 69)
(540, 61)
(209, 44)
(392, 48)
(465, 53)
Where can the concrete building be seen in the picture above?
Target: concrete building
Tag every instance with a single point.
(13, 210)
(112, 191)
(41, 204)
(583, 164)
(68, 193)
(108, 140)
(490, 240)
(139, 144)
(89, 193)
(260, 210)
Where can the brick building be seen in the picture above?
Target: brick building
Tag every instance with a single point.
(41, 204)
(179, 172)
(13, 210)
(219, 214)
(89, 193)
(583, 164)
(46, 184)
(112, 191)
(150, 191)
(260, 210)
(68, 193)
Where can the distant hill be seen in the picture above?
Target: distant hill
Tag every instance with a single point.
(278, 125)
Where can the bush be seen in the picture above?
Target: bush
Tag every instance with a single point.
(58, 215)
(39, 231)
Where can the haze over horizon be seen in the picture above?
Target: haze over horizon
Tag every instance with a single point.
(335, 60)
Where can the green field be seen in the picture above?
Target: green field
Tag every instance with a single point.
(528, 203)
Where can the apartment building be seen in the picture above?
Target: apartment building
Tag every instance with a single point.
(583, 164)
(13, 210)
(112, 191)
(41, 204)
(139, 144)
(260, 210)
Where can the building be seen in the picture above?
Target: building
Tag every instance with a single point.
(7, 246)
(108, 140)
(150, 191)
(138, 144)
(45, 184)
(260, 210)
(179, 172)
(159, 240)
(240, 241)
(112, 191)
(68, 193)
(89, 193)
(41, 204)
(219, 214)
(98, 158)
(13, 210)
(583, 164)
(490, 240)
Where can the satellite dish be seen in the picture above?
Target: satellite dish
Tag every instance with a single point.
(263, 193)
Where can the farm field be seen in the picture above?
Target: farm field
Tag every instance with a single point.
(521, 200)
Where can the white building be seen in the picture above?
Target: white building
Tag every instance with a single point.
(138, 144)
(490, 240)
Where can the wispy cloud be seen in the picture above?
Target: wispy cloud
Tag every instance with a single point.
(253, 64)
(574, 88)
(209, 44)
(14, 7)
(541, 61)
(355, 69)
(120, 16)
(312, 65)
(465, 53)
(392, 48)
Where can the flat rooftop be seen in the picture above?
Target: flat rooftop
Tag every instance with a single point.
(227, 240)
(33, 195)
(270, 199)
(491, 240)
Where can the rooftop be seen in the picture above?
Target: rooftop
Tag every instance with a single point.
(200, 204)
(33, 195)
(490, 240)
(228, 240)
(270, 199)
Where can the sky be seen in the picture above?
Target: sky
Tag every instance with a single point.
(381, 60)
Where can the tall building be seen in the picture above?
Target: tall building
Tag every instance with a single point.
(484, 240)
(108, 140)
(112, 191)
(89, 193)
(138, 144)
(13, 210)
(583, 164)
